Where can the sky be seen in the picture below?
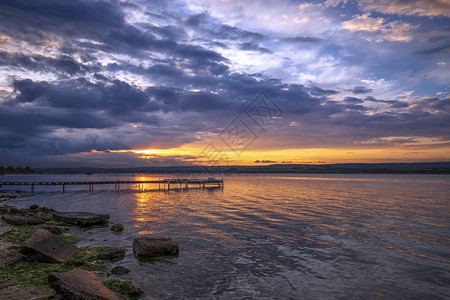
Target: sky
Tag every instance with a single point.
(132, 83)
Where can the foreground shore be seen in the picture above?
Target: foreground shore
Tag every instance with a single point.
(39, 259)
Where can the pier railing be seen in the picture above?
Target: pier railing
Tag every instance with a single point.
(164, 183)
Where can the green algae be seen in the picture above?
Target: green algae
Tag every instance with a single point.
(123, 287)
(19, 234)
(118, 286)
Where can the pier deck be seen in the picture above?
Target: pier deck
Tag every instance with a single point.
(179, 183)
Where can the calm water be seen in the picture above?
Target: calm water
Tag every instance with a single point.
(279, 236)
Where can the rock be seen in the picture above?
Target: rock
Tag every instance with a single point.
(116, 227)
(110, 253)
(7, 209)
(55, 229)
(44, 246)
(5, 227)
(34, 206)
(44, 216)
(80, 284)
(125, 287)
(14, 220)
(81, 218)
(153, 247)
(119, 270)
(8, 253)
(21, 220)
(46, 210)
(5, 197)
(135, 289)
(25, 212)
(4, 209)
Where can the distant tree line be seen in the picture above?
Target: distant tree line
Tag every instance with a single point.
(16, 170)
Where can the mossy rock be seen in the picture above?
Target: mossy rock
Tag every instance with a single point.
(20, 233)
(94, 258)
(124, 287)
(116, 228)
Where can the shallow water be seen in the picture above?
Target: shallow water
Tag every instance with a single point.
(277, 236)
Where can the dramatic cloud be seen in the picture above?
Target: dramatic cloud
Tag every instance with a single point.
(429, 8)
(153, 82)
(393, 31)
(360, 90)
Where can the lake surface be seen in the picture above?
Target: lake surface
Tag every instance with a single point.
(277, 236)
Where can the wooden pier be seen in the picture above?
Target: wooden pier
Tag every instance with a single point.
(164, 183)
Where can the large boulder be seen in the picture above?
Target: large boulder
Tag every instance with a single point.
(80, 284)
(44, 246)
(144, 247)
(21, 220)
(81, 218)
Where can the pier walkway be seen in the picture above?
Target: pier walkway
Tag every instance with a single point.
(165, 183)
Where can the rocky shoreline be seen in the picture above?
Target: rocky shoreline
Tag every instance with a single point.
(39, 258)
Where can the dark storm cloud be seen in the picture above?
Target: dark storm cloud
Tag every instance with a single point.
(204, 23)
(441, 49)
(233, 33)
(391, 103)
(197, 20)
(30, 128)
(175, 99)
(63, 64)
(317, 91)
(97, 21)
(33, 20)
(100, 12)
(167, 70)
(433, 104)
(302, 39)
(353, 100)
(254, 47)
(116, 97)
(360, 90)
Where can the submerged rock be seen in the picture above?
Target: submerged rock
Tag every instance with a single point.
(152, 247)
(44, 246)
(135, 289)
(119, 270)
(116, 228)
(80, 284)
(110, 253)
(34, 206)
(125, 287)
(81, 218)
(46, 209)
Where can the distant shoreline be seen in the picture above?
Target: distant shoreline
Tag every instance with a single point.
(348, 168)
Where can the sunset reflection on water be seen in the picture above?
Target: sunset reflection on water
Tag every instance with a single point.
(287, 236)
